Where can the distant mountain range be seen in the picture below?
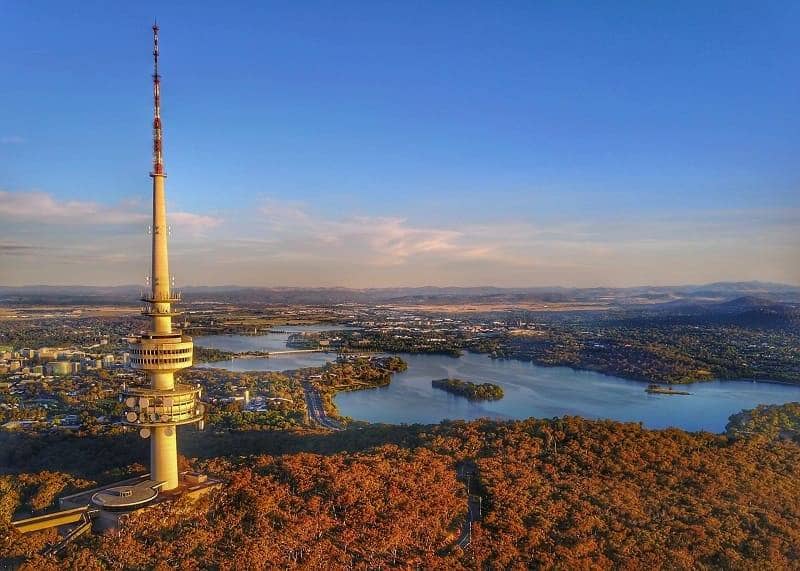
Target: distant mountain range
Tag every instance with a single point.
(688, 298)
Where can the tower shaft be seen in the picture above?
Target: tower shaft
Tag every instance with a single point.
(161, 290)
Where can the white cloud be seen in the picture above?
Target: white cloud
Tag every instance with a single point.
(376, 240)
(279, 214)
(195, 224)
(698, 246)
(44, 208)
(287, 243)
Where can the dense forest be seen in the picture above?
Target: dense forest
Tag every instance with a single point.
(564, 493)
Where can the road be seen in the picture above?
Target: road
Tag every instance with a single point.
(466, 473)
(316, 412)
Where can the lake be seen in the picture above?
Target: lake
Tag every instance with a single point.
(268, 342)
(530, 390)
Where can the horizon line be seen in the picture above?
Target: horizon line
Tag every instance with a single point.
(352, 288)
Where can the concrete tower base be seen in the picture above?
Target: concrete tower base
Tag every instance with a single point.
(164, 456)
(193, 486)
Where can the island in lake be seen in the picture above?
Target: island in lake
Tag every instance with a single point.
(659, 390)
(473, 391)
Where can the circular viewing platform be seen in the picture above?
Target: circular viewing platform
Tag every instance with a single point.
(161, 352)
(126, 497)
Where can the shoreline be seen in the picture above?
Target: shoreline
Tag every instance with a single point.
(640, 380)
(336, 413)
(545, 365)
(573, 367)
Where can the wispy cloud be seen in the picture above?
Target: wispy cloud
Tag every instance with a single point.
(379, 240)
(44, 208)
(195, 224)
(281, 214)
(287, 243)
(16, 249)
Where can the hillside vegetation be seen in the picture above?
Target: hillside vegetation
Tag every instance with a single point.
(567, 493)
(776, 421)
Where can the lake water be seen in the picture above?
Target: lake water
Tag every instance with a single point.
(268, 342)
(530, 390)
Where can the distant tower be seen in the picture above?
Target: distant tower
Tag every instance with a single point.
(160, 352)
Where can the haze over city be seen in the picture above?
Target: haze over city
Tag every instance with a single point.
(410, 144)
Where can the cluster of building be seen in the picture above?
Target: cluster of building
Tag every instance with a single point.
(54, 362)
(262, 403)
(64, 422)
(402, 322)
(55, 387)
(257, 403)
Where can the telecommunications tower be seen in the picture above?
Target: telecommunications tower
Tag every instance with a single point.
(158, 409)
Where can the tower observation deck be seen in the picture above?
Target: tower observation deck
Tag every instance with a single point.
(156, 410)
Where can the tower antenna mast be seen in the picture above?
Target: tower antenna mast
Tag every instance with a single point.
(158, 158)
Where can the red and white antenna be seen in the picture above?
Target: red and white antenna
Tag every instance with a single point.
(158, 159)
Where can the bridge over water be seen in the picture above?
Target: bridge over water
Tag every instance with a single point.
(267, 354)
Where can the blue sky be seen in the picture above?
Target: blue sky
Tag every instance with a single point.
(404, 143)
